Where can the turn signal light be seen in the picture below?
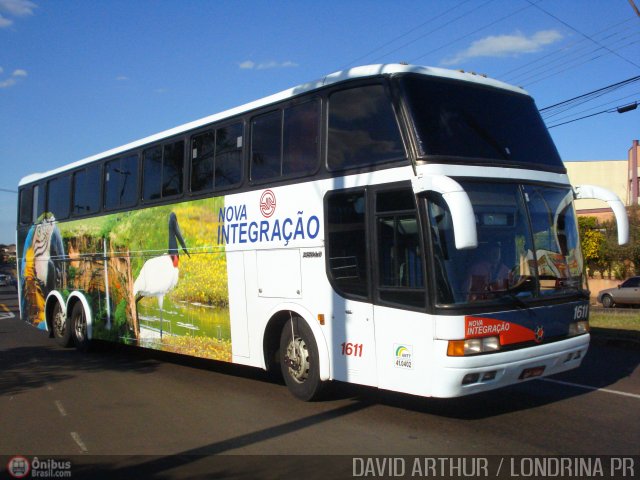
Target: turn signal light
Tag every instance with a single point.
(578, 328)
(473, 346)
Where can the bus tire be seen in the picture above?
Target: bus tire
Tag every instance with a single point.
(60, 326)
(299, 360)
(79, 328)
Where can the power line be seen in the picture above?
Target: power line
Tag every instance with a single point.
(620, 109)
(570, 55)
(600, 105)
(408, 33)
(434, 30)
(583, 34)
(608, 88)
(562, 49)
(484, 27)
(7, 190)
(575, 65)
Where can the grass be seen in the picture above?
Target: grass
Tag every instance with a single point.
(626, 319)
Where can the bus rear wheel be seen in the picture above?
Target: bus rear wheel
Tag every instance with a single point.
(299, 360)
(60, 326)
(79, 324)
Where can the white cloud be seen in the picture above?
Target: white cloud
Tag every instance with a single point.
(247, 65)
(14, 8)
(251, 65)
(122, 78)
(505, 45)
(17, 8)
(5, 22)
(13, 79)
(9, 82)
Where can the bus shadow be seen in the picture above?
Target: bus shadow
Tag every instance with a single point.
(31, 367)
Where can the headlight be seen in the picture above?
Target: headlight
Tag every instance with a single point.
(473, 346)
(578, 328)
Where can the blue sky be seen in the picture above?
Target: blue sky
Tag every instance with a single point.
(80, 77)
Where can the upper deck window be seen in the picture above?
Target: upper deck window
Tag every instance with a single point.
(460, 119)
(26, 205)
(121, 182)
(216, 158)
(58, 197)
(86, 190)
(362, 128)
(285, 142)
(162, 170)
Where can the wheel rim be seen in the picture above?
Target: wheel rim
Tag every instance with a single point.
(80, 326)
(298, 360)
(59, 323)
(606, 301)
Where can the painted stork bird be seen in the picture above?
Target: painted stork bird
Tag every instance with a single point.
(160, 274)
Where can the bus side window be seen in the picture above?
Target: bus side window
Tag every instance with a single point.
(152, 173)
(346, 243)
(362, 128)
(121, 182)
(172, 168)
(86, 190)
(301, 132)
(266, 146)
(26, 206)
(58, 197)
(162, 171)
(228, 157)
(202, 154)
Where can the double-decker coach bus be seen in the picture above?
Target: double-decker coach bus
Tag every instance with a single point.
(397, 226)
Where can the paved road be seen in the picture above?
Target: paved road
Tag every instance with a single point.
(120, 401)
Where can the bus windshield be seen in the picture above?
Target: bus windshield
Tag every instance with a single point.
(455, 119)
(528, 246)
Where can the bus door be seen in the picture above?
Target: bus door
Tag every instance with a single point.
(349, 268)
(403, 334)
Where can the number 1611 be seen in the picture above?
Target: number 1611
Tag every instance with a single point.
(352, 349)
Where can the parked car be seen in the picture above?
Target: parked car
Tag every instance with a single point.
(4, 280)
(627, 293)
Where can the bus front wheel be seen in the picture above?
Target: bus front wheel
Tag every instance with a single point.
(299, 360)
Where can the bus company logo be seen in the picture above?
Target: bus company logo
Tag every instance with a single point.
(267, 203)
(403, 356)
(18, 467)
(539, 334)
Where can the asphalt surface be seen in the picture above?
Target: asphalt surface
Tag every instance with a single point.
(167, 414)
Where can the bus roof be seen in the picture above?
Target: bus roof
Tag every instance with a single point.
(333, 78)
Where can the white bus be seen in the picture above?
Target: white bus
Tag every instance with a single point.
(402, 227)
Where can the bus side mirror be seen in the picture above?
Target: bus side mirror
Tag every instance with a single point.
(459, 203)
(599, 193)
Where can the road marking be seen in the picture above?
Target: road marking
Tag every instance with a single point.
(79, 442)
(589, 387)
(60, 407)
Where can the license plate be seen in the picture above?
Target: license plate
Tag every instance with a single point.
(531, 372)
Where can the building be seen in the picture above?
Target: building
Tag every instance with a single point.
(619, 176)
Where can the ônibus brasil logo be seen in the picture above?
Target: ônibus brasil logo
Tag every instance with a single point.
(18, 467)
(268, 203)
